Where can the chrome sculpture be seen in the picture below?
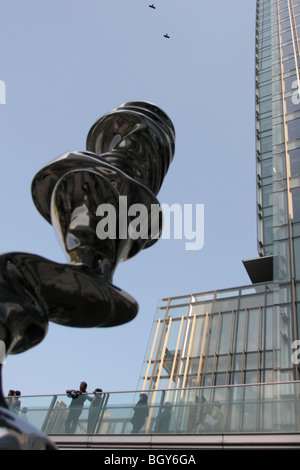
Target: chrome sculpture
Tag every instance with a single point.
(128, 153)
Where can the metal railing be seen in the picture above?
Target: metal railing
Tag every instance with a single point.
(254, 408)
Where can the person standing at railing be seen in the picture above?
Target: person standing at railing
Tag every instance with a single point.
(13, 401)
(76, 405)
(94, 410)
(165, 418)
(141, 411)
(218, 416)
(24, 413)
(213, 421)
(16, 402)
(9, 398)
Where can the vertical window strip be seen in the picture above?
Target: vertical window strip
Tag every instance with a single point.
(284, 123)
(201, 360)
(175, 357)
(295, 38)
(153, 395)
(163, 351)
(188, 354)
(215, 353)
(259, 343)
(180, 358)
(156, 360)
(289, 194)
(151, 354)
(244, 346)
(275, 366)
(230, 348)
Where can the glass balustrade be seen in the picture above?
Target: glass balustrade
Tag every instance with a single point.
(256, 408)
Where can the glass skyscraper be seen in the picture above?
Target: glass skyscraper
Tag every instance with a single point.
(248, 334)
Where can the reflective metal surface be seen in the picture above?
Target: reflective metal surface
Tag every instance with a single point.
(23, 317)
(129, 151)
(128, 154)
(17, 434)
(72, 295)
(137, 138)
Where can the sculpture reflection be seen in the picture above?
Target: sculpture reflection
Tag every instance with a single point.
(128, 153)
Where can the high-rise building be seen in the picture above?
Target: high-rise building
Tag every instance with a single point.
(278, 149)
(248, 334)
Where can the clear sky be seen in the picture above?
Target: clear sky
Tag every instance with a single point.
(66, 63)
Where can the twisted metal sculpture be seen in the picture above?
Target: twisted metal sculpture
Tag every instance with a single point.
(128, 154)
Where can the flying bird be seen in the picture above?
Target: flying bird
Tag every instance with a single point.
(166, 36)
(152, 6)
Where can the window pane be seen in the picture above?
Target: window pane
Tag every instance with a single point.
(290, 83)
(297, 257)
(294, 129)
(213, 337)
(267, 195)
(296, 204)
(295, 162)
(268, 333)
(292, 102)
(224, 342)
(266, 144)
(287, 50)
(286, 36)
(289, 64)
(240, 332)
(253, 329)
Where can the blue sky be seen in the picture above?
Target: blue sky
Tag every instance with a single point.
(66, 63)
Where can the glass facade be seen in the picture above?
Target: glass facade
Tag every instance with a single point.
(228, 337)
(278, 143)
(246, 335)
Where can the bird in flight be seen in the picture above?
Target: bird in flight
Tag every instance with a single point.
(166, 36)
(152, 6)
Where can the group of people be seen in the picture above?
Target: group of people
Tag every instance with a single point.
(13, 400)
(78, 398)
(140, 411)
(211, 418)
(14, 404)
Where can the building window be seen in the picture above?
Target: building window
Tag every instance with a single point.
(294, 129)
(266, 144)
(295, 162)
(268, 230)
(292, 102)
(297, 257)
(287, 36)
(289, 64)
(296, 204)
(268, 195)
(290, 83)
